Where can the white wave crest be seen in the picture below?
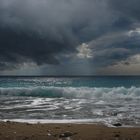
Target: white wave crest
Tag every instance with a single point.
(73, 92)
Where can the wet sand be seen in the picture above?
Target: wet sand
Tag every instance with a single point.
(25, 131)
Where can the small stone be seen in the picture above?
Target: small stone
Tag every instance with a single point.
(49, 134)
(117, 124)
(69, 125)
(8, 121)
(117, 135)
(66, 134)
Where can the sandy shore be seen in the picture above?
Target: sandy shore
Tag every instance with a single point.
(25, 131)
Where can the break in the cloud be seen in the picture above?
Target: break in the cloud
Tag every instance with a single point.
(82, 36)
(115, 47)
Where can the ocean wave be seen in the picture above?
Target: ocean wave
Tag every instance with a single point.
(72, 92)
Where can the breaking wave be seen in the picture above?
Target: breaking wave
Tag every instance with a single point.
(72, 92)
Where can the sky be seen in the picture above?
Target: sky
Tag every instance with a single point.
(69, 37)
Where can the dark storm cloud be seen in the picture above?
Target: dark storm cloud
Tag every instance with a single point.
(115, 47)
(128, 8)
(18, 47)
(121, 44)
(40, 31)
(44, 31)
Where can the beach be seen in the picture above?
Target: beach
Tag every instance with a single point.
(69, 69)
(25, 131)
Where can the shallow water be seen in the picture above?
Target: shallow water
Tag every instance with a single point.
(77, 99)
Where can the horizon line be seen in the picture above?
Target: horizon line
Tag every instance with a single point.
(65, 75)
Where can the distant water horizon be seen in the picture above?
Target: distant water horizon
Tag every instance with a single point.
(69, 75)
(90, 99)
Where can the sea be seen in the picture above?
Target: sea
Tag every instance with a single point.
(85, 99)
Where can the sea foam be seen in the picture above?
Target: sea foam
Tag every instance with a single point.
(73, 92)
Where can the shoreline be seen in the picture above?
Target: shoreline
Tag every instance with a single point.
(66, 131)
(73, 121)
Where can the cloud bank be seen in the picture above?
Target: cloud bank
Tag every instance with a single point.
(52, 32)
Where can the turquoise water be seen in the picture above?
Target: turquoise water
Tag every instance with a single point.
(95, 81)
(91, 99)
